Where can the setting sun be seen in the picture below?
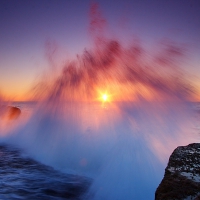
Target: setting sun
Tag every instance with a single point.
(105, 97)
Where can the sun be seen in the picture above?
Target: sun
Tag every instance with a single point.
(105, 97)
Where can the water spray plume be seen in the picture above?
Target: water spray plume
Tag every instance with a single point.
(125, 147)
(119, 69)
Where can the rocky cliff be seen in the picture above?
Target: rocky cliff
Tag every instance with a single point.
(182, 175)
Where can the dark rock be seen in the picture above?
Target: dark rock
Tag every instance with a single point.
(182, 175)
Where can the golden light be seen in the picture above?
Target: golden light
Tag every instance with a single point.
(105, 97)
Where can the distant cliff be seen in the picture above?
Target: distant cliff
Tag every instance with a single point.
(182, 175)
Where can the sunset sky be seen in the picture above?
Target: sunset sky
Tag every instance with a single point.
(26, 26)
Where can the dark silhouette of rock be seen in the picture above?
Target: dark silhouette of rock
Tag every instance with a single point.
(182, 175)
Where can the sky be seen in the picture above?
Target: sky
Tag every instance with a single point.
(27, 26)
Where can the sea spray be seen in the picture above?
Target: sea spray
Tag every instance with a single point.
(122, 142)
(124, 154)
(136, 163)
(124, 148)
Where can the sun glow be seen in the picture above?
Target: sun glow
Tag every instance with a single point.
(105, 97)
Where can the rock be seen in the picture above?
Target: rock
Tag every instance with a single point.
(182, 175)
(10, 112)
(13, 112)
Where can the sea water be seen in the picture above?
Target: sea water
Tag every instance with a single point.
(120, 145)
(106, 151)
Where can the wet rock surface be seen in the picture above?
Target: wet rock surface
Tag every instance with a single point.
(182, 175)
(13, 112)
(9, 112)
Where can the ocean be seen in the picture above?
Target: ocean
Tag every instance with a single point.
(92, 150)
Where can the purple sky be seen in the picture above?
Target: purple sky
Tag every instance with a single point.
(26, 25)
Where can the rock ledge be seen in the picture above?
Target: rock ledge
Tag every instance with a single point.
(182, 175)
